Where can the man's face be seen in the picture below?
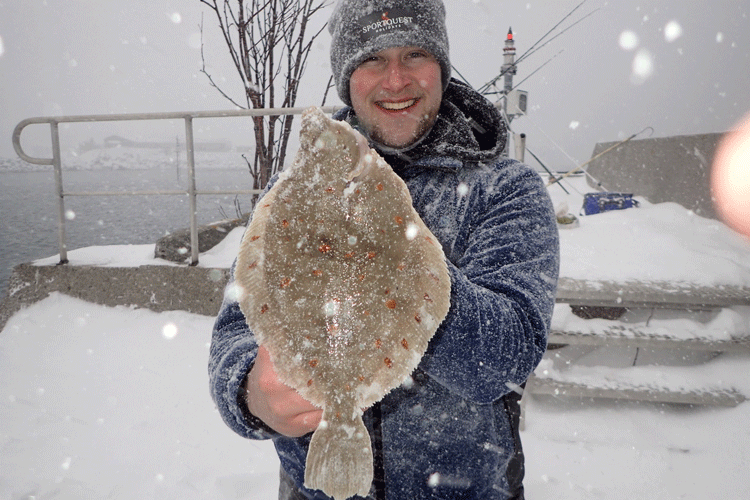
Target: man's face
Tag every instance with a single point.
(396, 95)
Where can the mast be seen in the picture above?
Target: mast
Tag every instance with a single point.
(514, 102)
(509, 64)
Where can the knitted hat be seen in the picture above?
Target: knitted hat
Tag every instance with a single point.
(361, 28)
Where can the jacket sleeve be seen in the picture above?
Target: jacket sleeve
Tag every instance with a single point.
(503, 284)
(232, 354)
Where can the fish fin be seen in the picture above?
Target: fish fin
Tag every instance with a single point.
(339, 459)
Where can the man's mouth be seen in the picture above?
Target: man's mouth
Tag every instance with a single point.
(396, 106)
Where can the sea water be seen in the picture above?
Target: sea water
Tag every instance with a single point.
(29, 211)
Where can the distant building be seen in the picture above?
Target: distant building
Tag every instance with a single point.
(114, 141)
(664, 169)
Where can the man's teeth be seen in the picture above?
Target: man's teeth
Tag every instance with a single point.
(396, 106)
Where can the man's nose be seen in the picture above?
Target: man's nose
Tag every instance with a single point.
(395, 78)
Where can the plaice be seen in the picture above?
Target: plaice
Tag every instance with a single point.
(344, 285)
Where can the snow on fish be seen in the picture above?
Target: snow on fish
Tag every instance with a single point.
(345, 286)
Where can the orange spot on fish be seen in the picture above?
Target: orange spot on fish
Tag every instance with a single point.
(263, 308)
(253, 238)
(404, 344)
(401, 267)
(313, 363)
(285, 282)
(371, 255)
(387, 291)
(379, 187)
(309, 383)
(427, 297)
(388, 363)
(399, 220)
(361, 277)
(378, 343)
(285, 223)
(324, 248)
(317, 272)
(417, 318)
(329, 189)
(253, 265)
(361, 378)
(391, 304)
(349, 255)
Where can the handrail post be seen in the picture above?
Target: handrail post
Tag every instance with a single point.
(57, 163)
(191, 191)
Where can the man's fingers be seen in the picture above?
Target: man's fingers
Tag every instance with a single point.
(277, 404)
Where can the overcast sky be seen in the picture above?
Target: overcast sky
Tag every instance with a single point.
(679, 66)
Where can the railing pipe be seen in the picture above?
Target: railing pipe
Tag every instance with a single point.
(57, 162)
(192, 192)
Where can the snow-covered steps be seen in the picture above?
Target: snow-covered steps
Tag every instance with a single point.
(661, 342)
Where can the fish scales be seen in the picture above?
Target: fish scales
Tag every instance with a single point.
(345, 286)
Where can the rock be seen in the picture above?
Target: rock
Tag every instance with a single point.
(175, 247)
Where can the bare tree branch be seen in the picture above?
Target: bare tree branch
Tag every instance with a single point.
(268, 43)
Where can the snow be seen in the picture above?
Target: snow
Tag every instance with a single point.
(99, 402)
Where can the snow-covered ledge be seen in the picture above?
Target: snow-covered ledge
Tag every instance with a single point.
(126, 275)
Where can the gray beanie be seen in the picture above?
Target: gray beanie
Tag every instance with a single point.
(361, 28)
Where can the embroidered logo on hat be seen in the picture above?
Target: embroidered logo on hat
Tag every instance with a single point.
(386, 21)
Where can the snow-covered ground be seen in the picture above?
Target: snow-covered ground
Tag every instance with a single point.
(99, 402)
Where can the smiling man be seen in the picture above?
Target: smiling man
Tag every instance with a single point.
(396, 95)
(452, 431)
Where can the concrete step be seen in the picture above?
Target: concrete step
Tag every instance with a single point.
(712, 396)
(649, 294)
(619, 335)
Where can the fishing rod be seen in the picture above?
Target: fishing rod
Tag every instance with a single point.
(580, 167)
(551, 175)
(529, 76)
(528, 53)
(553, 28)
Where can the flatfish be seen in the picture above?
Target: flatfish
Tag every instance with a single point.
(344, 285)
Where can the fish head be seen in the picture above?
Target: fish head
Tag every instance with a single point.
(332, 148)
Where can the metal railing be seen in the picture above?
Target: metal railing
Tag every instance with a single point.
(191, 192)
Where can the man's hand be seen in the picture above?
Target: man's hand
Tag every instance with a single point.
(277, 404)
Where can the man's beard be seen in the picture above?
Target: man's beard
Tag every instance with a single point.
(423, 127)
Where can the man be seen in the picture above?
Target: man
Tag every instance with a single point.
(453, 432)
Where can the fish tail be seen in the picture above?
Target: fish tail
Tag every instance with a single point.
(339, 459)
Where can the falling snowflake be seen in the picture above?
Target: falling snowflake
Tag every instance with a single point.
(628, 40)
(672, 31)
(643, 66)
(169, 331)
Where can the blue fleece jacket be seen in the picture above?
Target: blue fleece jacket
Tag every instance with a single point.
(453, 431)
